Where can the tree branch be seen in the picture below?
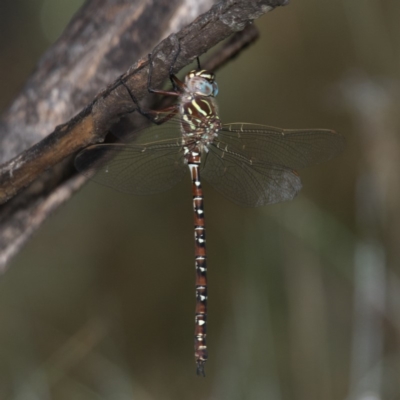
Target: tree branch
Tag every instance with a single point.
(90, 53)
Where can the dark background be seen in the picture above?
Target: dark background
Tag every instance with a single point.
(304, 298)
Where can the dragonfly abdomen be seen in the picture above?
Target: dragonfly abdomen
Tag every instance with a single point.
(200, 345)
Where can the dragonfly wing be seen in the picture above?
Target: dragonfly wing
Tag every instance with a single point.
(133, 169)
(293, 149)
(246, 184)
(148, 132)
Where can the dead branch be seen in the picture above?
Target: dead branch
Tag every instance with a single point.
(91, 52)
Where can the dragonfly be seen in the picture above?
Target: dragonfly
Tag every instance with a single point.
(250, 164)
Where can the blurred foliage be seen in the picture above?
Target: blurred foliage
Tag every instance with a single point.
(303, 296)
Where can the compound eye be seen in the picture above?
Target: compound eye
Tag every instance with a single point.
(201, 82)
(215, 89)
(205, 88)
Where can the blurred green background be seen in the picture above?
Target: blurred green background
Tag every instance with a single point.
(304, 296)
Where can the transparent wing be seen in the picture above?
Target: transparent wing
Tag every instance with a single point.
(248, 184)
(148, 132)
(134, 169)
(293, 149)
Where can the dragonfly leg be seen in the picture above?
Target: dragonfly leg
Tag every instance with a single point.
(171, 112)
(171, 68)
(177, 85)
(172, 77)
(152, 116)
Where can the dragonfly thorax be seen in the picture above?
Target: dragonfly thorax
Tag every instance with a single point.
(199, 119)
(198, 108)
(201, 83)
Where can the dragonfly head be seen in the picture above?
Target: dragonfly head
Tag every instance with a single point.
(201, 83)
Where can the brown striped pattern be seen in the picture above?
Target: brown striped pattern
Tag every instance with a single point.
(198, 116)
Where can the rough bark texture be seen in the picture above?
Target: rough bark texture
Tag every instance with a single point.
(99, 44)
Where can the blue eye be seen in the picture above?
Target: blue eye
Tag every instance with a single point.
(215, 89)
(205, 88)
(201, 83)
